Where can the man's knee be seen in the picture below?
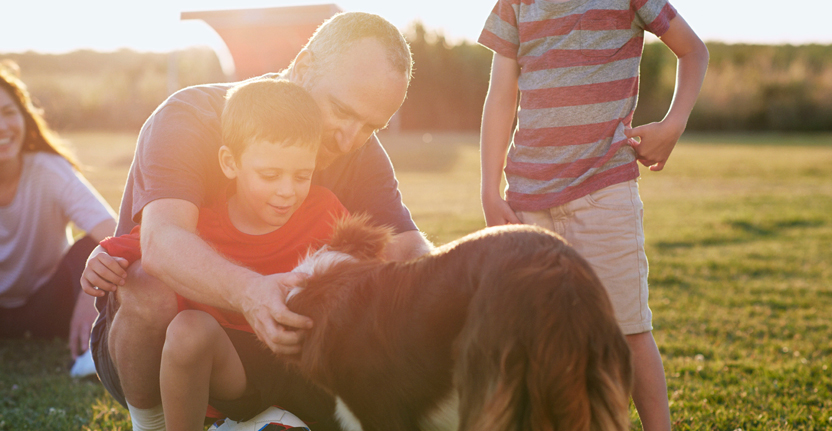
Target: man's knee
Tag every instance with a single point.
(145, 297)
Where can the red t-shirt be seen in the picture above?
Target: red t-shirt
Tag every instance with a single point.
(309, 228)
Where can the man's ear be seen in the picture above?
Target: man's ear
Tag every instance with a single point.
(228, 163)
(301, 68)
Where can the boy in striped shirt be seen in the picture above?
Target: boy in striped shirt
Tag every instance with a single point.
(572, 166)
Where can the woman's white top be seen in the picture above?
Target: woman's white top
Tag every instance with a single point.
(34, 227)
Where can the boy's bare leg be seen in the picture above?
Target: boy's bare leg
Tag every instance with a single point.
(137, 334)
(650, 388)
(198, 357)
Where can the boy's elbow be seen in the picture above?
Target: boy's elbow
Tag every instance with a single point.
(703, 51)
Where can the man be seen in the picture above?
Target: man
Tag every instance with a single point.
(357, 67)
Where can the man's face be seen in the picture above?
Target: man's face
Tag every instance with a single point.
(357, 96)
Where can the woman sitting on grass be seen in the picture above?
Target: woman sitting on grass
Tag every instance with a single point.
(41, 191)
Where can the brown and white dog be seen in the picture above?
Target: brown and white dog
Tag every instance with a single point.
(505, 329)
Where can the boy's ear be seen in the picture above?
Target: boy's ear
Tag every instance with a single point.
(301, 68)
(228, 163)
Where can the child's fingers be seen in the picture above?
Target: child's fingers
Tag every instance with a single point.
(97, 283)
(90, 288)
(99, 276)
(658, 166)
(634, 132)
(114, 265)
(511, 217)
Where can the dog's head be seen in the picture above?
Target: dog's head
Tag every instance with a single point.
(356, 242)
(355, 238)
(358, 237)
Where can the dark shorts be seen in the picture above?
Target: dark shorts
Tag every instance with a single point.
(268, 380)
(47, 313)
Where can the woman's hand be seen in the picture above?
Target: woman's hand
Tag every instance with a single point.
(83, 316)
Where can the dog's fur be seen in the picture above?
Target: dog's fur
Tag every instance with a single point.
(510, 319)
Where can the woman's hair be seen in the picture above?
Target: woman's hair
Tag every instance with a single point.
(338, 33)
(39, 137)
(274, 110)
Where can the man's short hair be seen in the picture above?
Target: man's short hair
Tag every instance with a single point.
(342, 30)
(273, 110)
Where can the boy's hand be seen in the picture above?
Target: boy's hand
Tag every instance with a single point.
(656, 142)
(273, 323)
(103, 273)
(498, 212)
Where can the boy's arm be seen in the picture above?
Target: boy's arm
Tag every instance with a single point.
(658, 139)
(497, 118)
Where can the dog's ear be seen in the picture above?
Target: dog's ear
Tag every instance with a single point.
(357, 236)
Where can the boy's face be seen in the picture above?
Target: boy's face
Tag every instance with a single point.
(272, 182)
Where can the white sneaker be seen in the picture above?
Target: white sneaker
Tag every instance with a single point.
(272, 419)
(83, 366)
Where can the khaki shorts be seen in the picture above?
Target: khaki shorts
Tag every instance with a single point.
(605, 227)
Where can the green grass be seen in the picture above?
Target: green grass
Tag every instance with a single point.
(738, 235)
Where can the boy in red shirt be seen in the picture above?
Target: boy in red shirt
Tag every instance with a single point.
(268, 219)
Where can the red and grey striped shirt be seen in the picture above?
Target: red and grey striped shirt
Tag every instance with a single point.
(579, 66)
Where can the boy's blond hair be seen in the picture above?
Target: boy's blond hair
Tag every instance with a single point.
(272, 110)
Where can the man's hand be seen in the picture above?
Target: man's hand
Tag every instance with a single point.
(657, 141)
(103, 273)
(83, 316)
(264, 307)
(498, 212)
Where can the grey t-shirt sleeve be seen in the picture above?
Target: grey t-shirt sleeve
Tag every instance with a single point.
(176, 154)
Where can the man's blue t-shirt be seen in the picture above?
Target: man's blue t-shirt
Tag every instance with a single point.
(176, 157)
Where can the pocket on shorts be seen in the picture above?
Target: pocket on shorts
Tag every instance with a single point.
(621, 196)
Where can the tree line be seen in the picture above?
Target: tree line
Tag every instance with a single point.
(747, 88)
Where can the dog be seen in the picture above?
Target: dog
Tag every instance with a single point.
(506, 329)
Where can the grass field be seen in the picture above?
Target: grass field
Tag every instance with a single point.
(738, 236)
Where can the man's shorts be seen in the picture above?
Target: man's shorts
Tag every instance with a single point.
(605, 227)
(269, 381)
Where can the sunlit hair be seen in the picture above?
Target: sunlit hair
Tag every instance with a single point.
(39, 137)
(277, 111)
(341, 31)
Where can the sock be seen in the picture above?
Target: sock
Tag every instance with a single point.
(152, 419)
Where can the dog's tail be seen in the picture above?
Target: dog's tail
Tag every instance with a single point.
(541, 351)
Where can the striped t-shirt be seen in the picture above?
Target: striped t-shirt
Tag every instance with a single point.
(579, 65)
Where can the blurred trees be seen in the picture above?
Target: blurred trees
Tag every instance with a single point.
(114, 91)
(449, 83)
(748, 87)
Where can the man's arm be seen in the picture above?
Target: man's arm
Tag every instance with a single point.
(497, 117)
(407, 245)
(657, 140)
(174, 253)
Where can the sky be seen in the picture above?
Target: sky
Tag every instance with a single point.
(57, 26)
